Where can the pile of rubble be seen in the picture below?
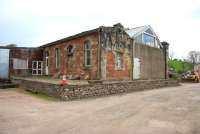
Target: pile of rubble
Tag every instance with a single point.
(190, 76)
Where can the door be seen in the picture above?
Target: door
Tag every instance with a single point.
(4, 63)
(36, 67)
(136, 68)
(47, 63)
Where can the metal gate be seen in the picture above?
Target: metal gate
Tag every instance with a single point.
(4, 63)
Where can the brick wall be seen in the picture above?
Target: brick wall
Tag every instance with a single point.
(112, 72)
(74, 65)
(29, 54)
(115, 40)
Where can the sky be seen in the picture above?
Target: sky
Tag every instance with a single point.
(32, 23)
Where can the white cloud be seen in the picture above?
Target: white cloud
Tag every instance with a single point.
(172, 20)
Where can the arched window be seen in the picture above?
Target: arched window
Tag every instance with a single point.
(70, 50)
(87, 53)
(57, 57)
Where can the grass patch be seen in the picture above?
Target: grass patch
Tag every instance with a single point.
(37, 95)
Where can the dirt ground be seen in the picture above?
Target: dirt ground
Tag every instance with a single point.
(173, 110)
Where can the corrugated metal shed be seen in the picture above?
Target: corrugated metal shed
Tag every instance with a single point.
(4, 64)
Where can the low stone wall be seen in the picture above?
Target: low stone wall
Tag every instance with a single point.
(71, 92)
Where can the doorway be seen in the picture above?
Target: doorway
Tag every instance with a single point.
(136, 68)
(37, 67)
(47, 63)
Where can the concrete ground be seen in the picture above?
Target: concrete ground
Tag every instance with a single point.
(173, 110)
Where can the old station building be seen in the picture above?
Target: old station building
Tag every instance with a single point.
(104, 53)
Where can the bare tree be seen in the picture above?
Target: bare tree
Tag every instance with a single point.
(171, 55)
(194, 57)
(11, 45)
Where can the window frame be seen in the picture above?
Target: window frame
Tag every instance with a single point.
(70, 50)
(20, 64)
(117, 55)
(57, 58)
(154, 38)
(87, 49)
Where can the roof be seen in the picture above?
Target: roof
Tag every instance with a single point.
(71, 37)
(138, 30)
(7, 47)
(133, 31)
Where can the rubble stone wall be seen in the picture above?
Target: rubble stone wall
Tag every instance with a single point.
(70, 92)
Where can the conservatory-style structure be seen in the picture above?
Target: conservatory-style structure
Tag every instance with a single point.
(144, 35)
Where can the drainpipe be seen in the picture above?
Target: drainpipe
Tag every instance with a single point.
(133, 55)
(9, 65)
(99, 77)
(165, 50)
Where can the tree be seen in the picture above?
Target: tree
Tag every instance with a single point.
(11, 45)
(194, 57)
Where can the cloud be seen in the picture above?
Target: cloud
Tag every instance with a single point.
(39, 22)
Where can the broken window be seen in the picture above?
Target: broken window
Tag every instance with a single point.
(108, 43)
(20, 64)
(117, 46)
(88, 53)
(57, 57)
(119, 61)
(70, 50)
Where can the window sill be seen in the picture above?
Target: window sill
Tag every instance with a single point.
(119, 69)
(88, 67)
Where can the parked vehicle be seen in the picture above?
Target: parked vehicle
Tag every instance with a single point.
(191, 76)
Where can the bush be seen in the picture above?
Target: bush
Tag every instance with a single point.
(180, 66)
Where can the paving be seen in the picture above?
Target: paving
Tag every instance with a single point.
(174, 110)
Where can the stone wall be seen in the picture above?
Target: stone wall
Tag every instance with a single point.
(71, 92)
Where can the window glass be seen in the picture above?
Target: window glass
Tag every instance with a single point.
(20, 63)
(57, 55)
(88, 53)
(157, 44)
(149, 31)
(119, 61)
(138, 39)
(148, 40)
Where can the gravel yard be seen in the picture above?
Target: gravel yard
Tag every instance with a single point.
(172, 110)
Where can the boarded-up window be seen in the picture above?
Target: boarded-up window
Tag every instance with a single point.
(20, 64)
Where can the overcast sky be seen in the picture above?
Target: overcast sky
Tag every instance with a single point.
(36, 22)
